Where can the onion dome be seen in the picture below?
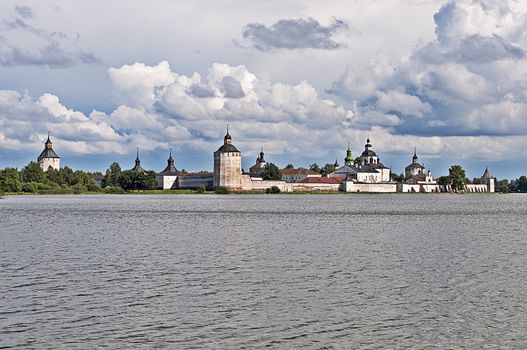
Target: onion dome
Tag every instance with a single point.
(336, 165)
(261, 157)
(227, 146)
(227, 138)
(367, 150)
(349, 158)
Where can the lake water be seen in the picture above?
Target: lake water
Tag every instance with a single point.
(264, 271)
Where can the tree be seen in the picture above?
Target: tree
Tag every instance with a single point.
(519, 185)
(221, 190)
(457, 177)
(113, 174)
(289, 166)
(444, 180)
(271, 172)
(131, 180)
(328, 168)
(273, 190)
(10, 180)
(314, 167)
(398, 178)
(502, 186)
(33, 173)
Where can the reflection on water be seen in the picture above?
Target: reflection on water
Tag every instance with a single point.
(285, 271)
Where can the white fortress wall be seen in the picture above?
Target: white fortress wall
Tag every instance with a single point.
(315, 187)
(351, 186)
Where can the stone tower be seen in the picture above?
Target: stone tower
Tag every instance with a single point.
(48, 157)
(489, 180)
(228, 165)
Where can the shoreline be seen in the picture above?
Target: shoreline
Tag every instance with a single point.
(193, 192)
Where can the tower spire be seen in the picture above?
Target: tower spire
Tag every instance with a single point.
(227, 139)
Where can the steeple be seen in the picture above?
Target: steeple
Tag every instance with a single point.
(349, 158)
(487, 174)
(336, 165)
(367, 146)
(49, 144)
(170, 169)
(227, 139)
(137, 167)
(414, 158)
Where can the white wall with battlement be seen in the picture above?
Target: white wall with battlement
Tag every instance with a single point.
(350, 186)
(418, 188)
(316, 187)
(249, 184)
(54, 163)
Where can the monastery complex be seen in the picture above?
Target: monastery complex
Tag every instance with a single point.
(363, 174)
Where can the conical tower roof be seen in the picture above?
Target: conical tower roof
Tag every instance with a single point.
(487, 174)
(170, 169)
(137, 168)
(48, 151)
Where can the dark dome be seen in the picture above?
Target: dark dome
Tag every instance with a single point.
(227, 148)
(369, 153)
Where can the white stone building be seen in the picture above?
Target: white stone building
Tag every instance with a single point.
(414, 169)
(48, 158)
(297, 175)
(368, 169)
(257, 168)
(166, 179)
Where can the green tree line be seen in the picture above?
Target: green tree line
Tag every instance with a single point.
(32, 179)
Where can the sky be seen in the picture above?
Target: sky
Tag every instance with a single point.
(302, 79)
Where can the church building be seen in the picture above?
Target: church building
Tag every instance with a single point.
(257, 168)
(414, 169)
(48, 158)
(368, 169)
(228, 165)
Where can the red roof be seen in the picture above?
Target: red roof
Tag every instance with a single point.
(322, 180)
(300, 171)
(201, 174)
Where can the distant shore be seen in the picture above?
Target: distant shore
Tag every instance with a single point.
(186, 192)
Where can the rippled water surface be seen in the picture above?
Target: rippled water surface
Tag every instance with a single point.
(264, 271)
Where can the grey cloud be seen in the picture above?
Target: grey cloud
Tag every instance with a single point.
(473, 49)
(200, 90)
(56, 49)
(24, 11)
(232, 88)
(468, 81)
(294, 34)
